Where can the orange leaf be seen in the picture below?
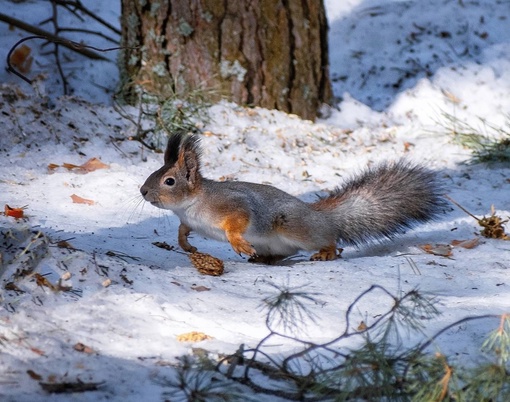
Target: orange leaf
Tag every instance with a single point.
(443, 250)
(79, 200)
(14, 212)
(53, 166)
(469, 244)
(94, 164)
(21, 59)
(70, 166)
(193, 336)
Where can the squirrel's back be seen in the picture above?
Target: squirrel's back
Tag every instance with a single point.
(384, 201)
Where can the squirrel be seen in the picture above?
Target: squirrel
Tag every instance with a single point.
(268, 224)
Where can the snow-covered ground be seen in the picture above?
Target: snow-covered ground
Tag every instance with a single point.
(396, 66)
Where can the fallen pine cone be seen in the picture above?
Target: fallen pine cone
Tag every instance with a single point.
(207, 264)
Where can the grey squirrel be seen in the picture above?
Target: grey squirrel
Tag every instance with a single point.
(268, 224)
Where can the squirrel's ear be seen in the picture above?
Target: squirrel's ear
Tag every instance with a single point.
(172, 149)
(189, 159)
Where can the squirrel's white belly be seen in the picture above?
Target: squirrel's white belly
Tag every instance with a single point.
(199, 222)
(273, 245)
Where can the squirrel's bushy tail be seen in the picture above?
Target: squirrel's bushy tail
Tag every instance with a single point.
(383, 201)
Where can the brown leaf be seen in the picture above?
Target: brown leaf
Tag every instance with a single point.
(44, 282)
(65, 244)
(80, 347)
(163, 245)
(193, 336)
(53, 166)
(200, 288)
(469, 244)
(21, 59)
(93, 164)
(362, 326)
(37, 351)
(443, 250)
(34, 376)
(79, 200)
(70, 166)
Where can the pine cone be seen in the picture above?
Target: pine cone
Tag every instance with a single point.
(207, 264)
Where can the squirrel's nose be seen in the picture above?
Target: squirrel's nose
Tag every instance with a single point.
(144, 191)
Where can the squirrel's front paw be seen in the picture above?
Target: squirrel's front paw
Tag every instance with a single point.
(241, 246)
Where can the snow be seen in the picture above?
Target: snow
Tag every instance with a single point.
(395, 70)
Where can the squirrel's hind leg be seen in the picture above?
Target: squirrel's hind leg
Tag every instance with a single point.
(184, 232)
(329, 253)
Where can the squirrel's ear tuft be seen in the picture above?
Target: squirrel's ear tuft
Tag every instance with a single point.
(173, 147)
(189, 159)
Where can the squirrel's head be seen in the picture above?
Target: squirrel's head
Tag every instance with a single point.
(179, 179)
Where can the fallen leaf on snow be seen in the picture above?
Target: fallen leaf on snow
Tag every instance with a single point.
(21, 59)
(93, 164)
(80, 200)
(13, 212)
(65, 244)
(163, 245)
(80, 347)
(34, 376)
(193, 336)
(89, 166)
(469, 244)
(443, 250)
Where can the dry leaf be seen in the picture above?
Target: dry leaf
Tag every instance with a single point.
(44, 282)
(79, 200)
(362, 326)
(70, 166)
(469, 244)
(34, 376)
(21, 59)
(65, 244)
(13, 212)
(200, 288)
(193, 336)
(80, 347)
(443, 250)
(13, 287)
(207, 264)
(164, 245)
(93, 164)
(107, 282)
(37, 351)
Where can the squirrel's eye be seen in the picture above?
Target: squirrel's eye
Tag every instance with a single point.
(170, 181)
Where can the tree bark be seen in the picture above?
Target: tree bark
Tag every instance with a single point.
(268, 53)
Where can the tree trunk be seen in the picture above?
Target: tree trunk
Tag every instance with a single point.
(268, 53)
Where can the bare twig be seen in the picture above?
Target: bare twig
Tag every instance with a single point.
(42, 34)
